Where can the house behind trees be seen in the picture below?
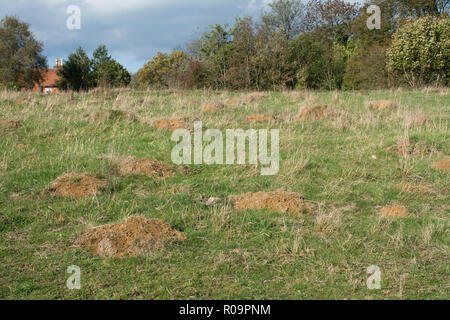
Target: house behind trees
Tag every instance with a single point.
(49, 79)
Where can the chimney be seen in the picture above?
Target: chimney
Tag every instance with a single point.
(59, 63)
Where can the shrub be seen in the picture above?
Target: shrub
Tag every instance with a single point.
(420, 52)
(196, 76)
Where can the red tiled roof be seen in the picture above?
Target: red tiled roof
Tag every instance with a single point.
(49, 77)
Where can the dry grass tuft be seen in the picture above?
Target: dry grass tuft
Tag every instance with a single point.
(382, 104)
(10, 124)
(132, 237)
(407, 148)
(313, 113)
(413, 188)
(233, 102)
(255, 97)
(113, 115)
(298, 95)
(279, 201)
(415, 120)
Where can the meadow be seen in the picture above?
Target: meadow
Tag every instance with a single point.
(347, 165)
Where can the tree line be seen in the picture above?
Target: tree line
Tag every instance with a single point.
(318, 44)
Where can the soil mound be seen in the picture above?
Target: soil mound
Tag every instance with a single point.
(382, 104)
(169, 124)
(443, 165)
(132, 237)
(412, 188)
(74, 185)
(148, 167)
(212, 106)
(279, 201)
(313, 113)
(10, 124)
(259, 118)
(394, 212)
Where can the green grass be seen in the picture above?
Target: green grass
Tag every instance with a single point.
(228, 254)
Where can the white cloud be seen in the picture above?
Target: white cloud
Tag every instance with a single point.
(255, 7)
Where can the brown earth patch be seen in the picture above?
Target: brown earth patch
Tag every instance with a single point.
(259, 118)
(443, 165)
(32, 157)
(20, 102)
(212, 106)
(148, 167)
(169, 124)
(279, 201)
(313, 113)
(132, 237)
(393, 212)
(76, 185)
(412, 188)
(10, 124)
(382, 104)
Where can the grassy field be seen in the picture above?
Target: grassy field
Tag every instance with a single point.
(344, 166)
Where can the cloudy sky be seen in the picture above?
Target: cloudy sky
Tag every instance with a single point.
(133, 30)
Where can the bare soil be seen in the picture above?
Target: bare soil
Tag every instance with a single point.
(278, 201)
(169, 124)
(313, 113)
(394, 212)
(133, 237)
(76, 185)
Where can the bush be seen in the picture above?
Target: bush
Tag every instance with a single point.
(164, 70)
(420, 52)
(366, 69)
(196, 76)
